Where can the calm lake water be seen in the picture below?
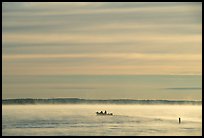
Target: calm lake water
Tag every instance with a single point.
(81, 120)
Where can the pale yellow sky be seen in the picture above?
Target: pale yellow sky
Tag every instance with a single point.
(144, 32)
(102, 38)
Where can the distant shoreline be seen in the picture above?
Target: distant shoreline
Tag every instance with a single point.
(24, 101)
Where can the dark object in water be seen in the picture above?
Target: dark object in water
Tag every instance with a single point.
(101, 113)
(179, 120)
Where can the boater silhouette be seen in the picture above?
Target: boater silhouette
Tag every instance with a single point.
(103, 113)
(179, 120)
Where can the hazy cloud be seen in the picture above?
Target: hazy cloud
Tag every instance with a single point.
(98, 38)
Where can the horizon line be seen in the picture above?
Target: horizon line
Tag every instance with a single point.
(107, 75)
(99, 99)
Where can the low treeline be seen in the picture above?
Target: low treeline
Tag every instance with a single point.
(93, 101)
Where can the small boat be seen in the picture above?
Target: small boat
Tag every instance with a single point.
(101, 113)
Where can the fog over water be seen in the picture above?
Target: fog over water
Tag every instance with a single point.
(63, 62)
(81, 119)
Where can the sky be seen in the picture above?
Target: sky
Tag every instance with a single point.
(97, 38)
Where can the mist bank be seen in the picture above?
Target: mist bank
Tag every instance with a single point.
(94, 101)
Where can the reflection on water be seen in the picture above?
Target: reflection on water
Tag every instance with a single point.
(82, 120)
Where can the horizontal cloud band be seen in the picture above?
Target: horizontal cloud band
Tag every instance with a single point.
(108, 55)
